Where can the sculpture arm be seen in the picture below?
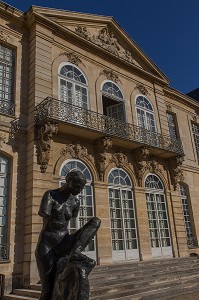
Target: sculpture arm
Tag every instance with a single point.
(76, 209)
(46, 205)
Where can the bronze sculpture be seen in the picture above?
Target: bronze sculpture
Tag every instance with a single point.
(58, 253)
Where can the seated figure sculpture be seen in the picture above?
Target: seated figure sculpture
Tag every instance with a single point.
(55, 244)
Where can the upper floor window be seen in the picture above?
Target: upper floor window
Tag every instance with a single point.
(73, 86)
(172, 125)
(4, 184)
(145, 114)
(6, 80)
(113, 101)
(195, 129)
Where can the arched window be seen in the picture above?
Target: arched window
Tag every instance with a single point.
(4, 189)
(122, 216)
(157, 216)
(73, 86)
(113, 101)
(86, 200)
(145, 114)
(190, 234)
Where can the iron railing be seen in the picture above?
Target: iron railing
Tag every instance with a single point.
(4, 252)
(192, 242)
(7, 107)
(56, 110)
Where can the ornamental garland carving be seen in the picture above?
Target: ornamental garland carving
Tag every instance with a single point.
(103, 146)
(110, 75)
(120, 159)
(106, 40)
(76, 151)
(176, 172)
(141, 162)
(45, 136)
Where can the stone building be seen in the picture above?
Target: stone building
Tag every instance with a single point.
(76, 92)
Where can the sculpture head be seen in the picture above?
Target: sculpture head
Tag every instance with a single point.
(75, 182)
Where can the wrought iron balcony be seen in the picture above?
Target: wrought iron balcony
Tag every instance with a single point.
(7, 107)
(54, 110)
(4, 252)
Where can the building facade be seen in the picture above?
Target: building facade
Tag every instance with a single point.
(77, 93)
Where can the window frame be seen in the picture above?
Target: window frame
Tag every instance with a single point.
(145, 110)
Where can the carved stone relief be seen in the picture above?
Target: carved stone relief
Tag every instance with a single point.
(176, 172)
(142, 89)
(141, 162)
(73, 58)
(3, 36)
(102, 146)
(120, 159)
(155, 166)
(45, 135)
(76, 150)
(108, 41)
(110, 75)
(169, 107)
(2, 139)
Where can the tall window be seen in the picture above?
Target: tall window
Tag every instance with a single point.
(73, 86)
(6, 81)
(86, 201)
(157, 217)
(4, 182)
(172, 125)
(122, 216)
(191, 240)
(145, 114)
(113, 101)
(195, 129)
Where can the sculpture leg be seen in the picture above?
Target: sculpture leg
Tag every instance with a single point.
(46, 264)
(85, 234)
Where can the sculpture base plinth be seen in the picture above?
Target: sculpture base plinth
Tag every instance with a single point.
(71, 281)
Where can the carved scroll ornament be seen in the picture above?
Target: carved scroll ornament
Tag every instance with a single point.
(176, 172)
(142, 89)
(4, 36)
(73, 58)
(106, 40)
(75, 150)
(102, 148)
(110, 75)
(45, 135)
(120, 159)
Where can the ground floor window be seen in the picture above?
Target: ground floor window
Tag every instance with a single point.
(157, 216)
(86, 201)
(4, 188)
(122, 216)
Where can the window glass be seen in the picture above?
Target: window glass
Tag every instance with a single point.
(145, 114)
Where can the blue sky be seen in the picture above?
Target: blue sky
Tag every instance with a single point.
(167, 31)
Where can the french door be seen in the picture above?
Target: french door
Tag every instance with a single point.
(123, 224)
(158, 224)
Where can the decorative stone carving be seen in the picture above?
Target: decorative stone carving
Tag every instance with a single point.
(176, 172)
(45, 135)
(155, 167)
(76, 151)
(195, 119)
(110, 75)
(2, 139)
(4, 36)
(102, 148)
(143, 90)
(72, 57)
(169, 107)
(108, 41)
(142, 163)
(120, 159)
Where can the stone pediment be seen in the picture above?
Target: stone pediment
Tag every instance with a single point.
(105, 33)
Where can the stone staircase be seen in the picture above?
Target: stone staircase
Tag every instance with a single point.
(152, 280)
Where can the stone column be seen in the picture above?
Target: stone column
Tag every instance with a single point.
(104, 233)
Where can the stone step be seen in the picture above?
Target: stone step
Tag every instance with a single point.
(15, 297)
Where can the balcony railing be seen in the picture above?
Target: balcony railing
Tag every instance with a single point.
(4, 252)
(55, 110)
(7, 107)
(192, 242)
